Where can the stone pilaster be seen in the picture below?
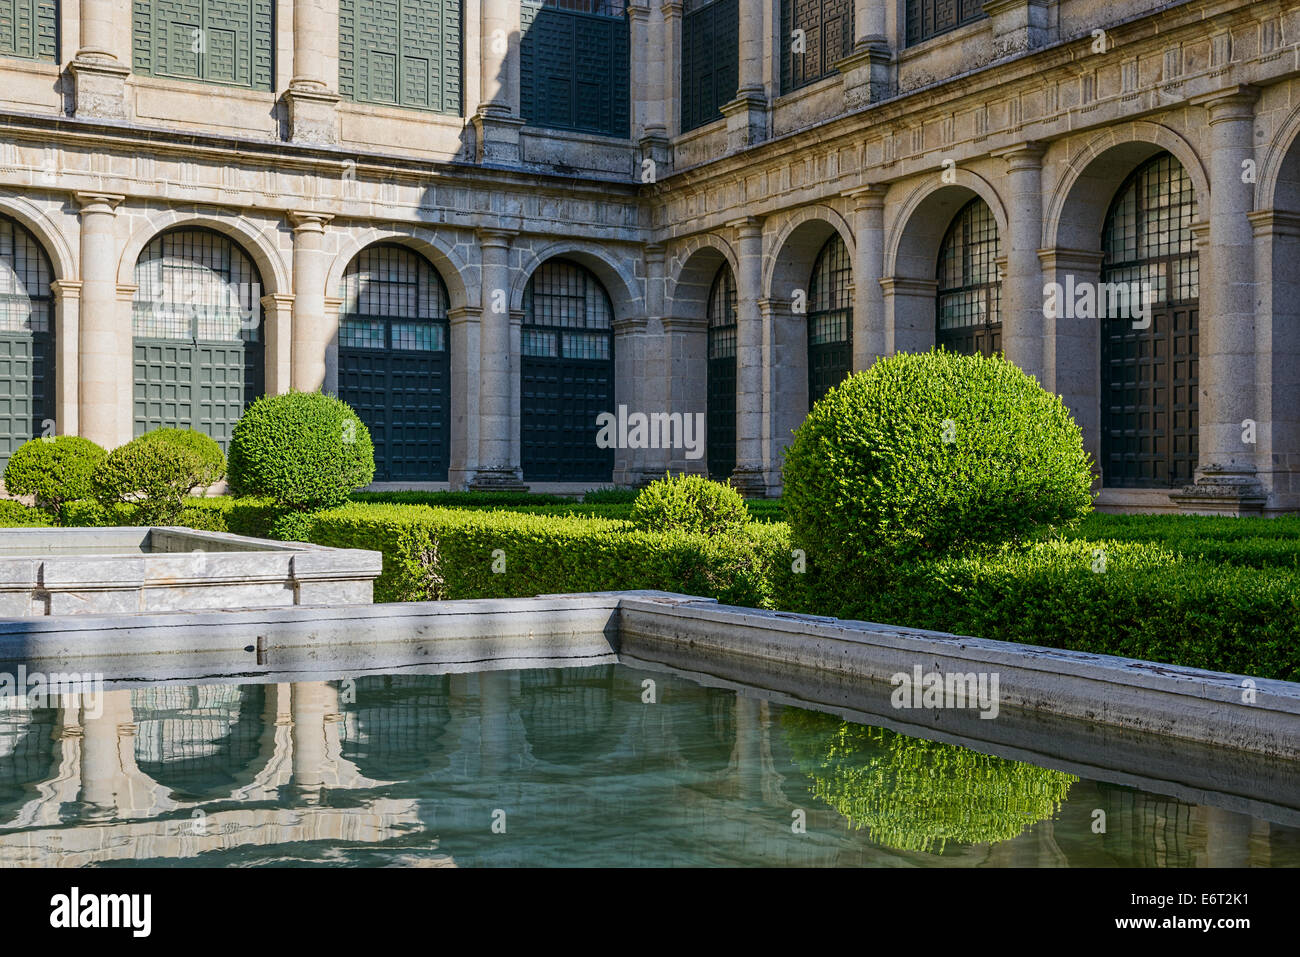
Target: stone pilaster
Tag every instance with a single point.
(1022, 279)
(67, 344)
(465, 371)
(652, 65)
(1226, 480)
(277, 330)
(311, 332)
(747, 113)
(750, 475)
(867, 70)
(100, 359)
(1071, 357)
(671, 14)
(312, 99)
(868, 297)
(498, 461)
(99, 70)
(497, 124)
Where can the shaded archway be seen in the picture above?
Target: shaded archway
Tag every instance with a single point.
(968, 300)
(721, 374)
(27, 330)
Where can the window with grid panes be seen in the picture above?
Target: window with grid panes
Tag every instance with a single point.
(567, 372)
(968, 301)
(30, 29)
(574, 65)
(196, 322)
(830, 319)
(931, 18)
(1149, 366)
(827, 27)
(230, 42)
(402, 52)
(710, 59)
(721, 415)
(394, 361)
(26, 338)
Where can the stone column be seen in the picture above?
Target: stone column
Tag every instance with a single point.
(67, 344)
(1226, 475)
(747, 113)
(497, 123)
(100, 354)
(277, 327)
(659, 60)
(1071, 353)
(671, 12)
(686, 378)
(867, 69)
(1022, 279)
(312, 98)
(312, 700)
(465, 374)
(868, 297)
(99, 69)
(104, 739)
(498, 465)
(750, 475)
(311, 335)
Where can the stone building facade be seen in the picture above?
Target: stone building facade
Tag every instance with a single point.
(485, 222)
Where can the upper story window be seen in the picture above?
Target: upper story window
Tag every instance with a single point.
(826, 38)
(710, 59)
(216, 41)
(30, 29)
(574, 70)
(929, 18)
(401, 52)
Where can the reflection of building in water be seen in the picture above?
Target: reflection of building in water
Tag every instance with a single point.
(577, 759)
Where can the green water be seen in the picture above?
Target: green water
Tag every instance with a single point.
(604, 765)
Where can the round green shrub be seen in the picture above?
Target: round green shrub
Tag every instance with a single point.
(690, 503)
(154, 474)
(203, 446)
(17, 515)
(929, 453)
(305, 450)
(54, 469)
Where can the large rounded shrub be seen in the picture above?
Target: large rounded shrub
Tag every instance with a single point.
(690, 503)
(54, 469)
(208, 452)
(926, 453)
(305, 450)
(154, 473)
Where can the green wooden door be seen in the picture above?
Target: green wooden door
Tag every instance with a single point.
(26, 339)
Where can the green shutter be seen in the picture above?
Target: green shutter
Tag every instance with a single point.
(574, 70)
(214, 41)
(29, 29)
(710, 61)
(402, 52)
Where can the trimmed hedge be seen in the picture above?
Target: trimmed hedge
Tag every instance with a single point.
(17, 515)
(691, 503)
(54, 470)
(462, 499)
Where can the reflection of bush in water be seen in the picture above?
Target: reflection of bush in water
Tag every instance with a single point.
(917, 795)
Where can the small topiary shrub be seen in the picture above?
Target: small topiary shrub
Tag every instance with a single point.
(205, 447)
(54, 470)
(304, 450)
(691, 503)
(17, 515)
(926, 454)
(154, 473)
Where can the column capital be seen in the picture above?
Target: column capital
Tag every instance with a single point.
(126, 291)
(1026, 155)
(655, 251)
(637, 10)
(463, 314)
(495, 237)
(276, 300)
(69, 289)
(1274, 222)
(673, 8)
(309, 222)
(96, 202)
(1231, 103)
(871, 196)
(747, 226)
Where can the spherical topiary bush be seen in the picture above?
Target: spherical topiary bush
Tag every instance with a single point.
(55, 469)
(927, 453)
(209, 453)
(154, 473)
(691, 503)
(305, 450)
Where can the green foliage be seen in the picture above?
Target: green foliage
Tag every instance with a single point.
(690, 503)
(17, 515)
(609, 495)
(154, 473)
(1254, 542)
(305, 450)
(204, 447)
(918, 795)
(54, 470)
(928, 454)
(461, 499)
(292, 526)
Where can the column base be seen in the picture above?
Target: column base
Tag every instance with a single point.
(866, 76)
(1222, 493)
(497, 480)
(746, 120)
(750, 481)
(1018, 25)
(99, 85)
(313, 114)
(657, 148)
(497, 137)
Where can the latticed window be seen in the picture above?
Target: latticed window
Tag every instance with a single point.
(196, 738)
(830, 318)
(30, 29)
(216, 41)
(403, 52)
(196, 284)
(566, 313)
(930, 18)
(710, 59)
(574, 66)
(815, 35)
(721, 422)
(26, 338)
(1149, 301)
(26, 303)
(969, 299)
(392, 298)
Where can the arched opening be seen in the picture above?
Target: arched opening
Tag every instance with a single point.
(1149, 359)
(394, 365)
(830, 319)
(968, 300)
(567, 374)
(26, 338)
(197, 328)
(721, 419)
